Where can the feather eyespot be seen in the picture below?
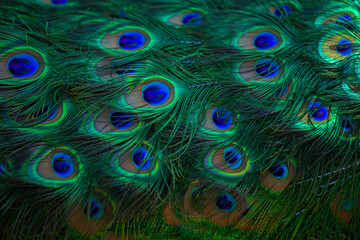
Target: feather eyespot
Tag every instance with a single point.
(91, 215)
(345, 207)
(265, 40)
(93, 208)
(154, 92)
(265, 69)
(278, 176)
(126, 69)
(347, 124)
(21, 64)
(341, 18)
(132, 40)
(127, 40)
(336, 47)
(344, 47)
(141, 159)
(223, 207)
(228, 162)
(218, 206)
(2, 169)
(62, 164)
(135, 162)
(348, 204)
(284, 92)
(55, 2)
(315, 112)
(113, 121)
(232, 157)
(120, 120)
(349, 127)
(55, 166)
(260, 39)
(318, 111)
(279, 171)
(188, 18)
(53, 114)
(58, 2)
(225, 202)
(189, 205)
(109, 68)
(47, 116)
(219, 120)
(193, 18)
(281, 10)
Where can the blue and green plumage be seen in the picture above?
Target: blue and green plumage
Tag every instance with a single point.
(179, 120)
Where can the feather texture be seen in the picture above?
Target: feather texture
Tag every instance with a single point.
(179, 119)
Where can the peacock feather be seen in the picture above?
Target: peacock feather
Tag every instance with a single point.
(165, 119)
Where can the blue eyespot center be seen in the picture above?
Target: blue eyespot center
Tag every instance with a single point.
(348, 204)
(283, 10)
(222, 118)
(124, 71)
(23, 65)
(318, 111)
(232, 157)
(96, 210)
(344, 47)
(124, 68)
(267, 68)
(62, 164)
(141, 159)
(343, 19)
(58, 2)
(51, 114)
(279, 171)
(265, 40)
(46, 113)
(121, 120)
(347, 124)
(225, 202)
(282, 92)
(192, 19)
(155, 93)
(132, 40)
